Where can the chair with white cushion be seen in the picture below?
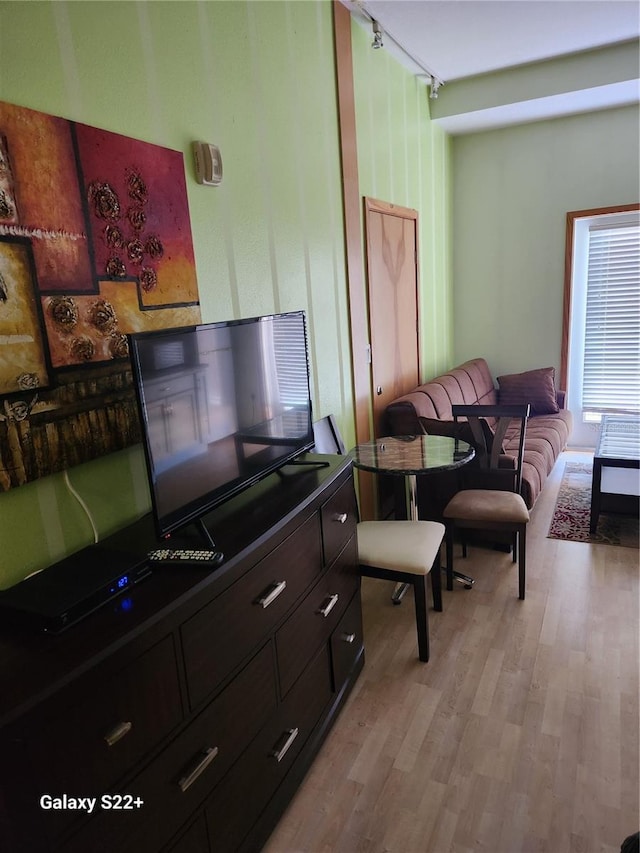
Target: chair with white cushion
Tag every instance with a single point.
(405, 552)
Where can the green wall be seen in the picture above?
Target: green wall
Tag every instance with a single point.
(512, 190)
(257, 79)
(404, 158)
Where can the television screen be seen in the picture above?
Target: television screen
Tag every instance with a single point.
(221, 406)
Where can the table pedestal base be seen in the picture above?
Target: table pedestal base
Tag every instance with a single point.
(465, 580)
(399, 592)
(412, 511)
(401, 588)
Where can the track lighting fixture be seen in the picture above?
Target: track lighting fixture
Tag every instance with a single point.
(377, 35)
(364, 16)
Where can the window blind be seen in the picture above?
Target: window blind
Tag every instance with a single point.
(611, 379)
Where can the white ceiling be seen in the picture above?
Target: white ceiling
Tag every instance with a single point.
(454, 40)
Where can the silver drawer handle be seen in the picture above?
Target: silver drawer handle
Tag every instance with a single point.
(328, 607)
(279, 754)
(202, 763)
(348, 638)
(268, 597)
(118, 732)
(340, 517)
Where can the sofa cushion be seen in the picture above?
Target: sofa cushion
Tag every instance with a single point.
(469, 383)
(546, 438)
(478, 372)
(536, 387)
(444, 393)
(555, 429)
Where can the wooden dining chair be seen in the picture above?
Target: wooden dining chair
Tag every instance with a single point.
(498, 504)
(405, 552)
(400, 551)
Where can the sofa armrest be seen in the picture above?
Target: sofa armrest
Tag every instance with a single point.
(435, 426)
(461, 430)
(401, 418)
(561, 397)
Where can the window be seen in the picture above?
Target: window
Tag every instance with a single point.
(601, 330)
(611, 368)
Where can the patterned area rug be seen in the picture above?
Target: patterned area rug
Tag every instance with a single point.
(573, 510)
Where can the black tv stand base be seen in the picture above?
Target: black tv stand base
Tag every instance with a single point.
(202, 527)
(315, 463)
(302, 463)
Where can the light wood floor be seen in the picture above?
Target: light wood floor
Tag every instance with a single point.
(520, 734)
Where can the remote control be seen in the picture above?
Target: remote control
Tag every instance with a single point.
(185, 555)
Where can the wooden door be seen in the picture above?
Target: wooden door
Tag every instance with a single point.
(392, 277)
(393, 303)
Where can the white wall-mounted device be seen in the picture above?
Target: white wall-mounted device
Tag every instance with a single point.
(208, 162)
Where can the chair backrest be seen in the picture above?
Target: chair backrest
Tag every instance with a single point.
(488, 442)
(327, 436)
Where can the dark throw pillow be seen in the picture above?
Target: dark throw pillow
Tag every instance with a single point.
(536, 387)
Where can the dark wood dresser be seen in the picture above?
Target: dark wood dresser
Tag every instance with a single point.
(190, 707)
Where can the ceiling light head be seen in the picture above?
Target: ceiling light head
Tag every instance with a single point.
(434, 86)
(377, 35)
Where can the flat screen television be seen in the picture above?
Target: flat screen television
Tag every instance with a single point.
(221, 405)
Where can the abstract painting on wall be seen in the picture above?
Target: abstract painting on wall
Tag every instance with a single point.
(95, 243)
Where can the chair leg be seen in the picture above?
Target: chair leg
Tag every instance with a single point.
(449, 540)
(514, 547)
(422, 622)
(436, 584)
(522, 551)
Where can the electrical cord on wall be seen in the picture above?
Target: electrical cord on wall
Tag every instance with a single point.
(84, 507)
(82, 504)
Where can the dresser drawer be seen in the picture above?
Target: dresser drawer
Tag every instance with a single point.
(317, 616)
(246, 790)
(339, 517)
(178, 781)
(194, 840)
(347, 642)
(222, 634)
(93, 736)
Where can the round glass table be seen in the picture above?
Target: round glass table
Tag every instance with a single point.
(409, 456)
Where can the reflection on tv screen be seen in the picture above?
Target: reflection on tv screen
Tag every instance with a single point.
(221, 406)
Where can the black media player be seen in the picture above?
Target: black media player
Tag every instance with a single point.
(67, 591)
